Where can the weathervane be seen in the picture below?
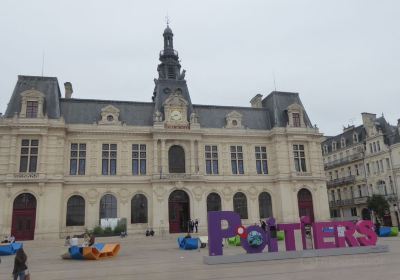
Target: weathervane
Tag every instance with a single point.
(167, 19)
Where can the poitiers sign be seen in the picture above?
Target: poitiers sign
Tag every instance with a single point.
(342, 237)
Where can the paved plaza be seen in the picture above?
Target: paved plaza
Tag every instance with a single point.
(159, 258)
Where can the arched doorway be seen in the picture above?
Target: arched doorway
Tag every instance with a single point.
(366, 214)
(305, 201)
(24, 217)
(176, 159)
(179, 211)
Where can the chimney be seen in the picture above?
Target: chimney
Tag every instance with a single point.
(256, 101)
(68, 90)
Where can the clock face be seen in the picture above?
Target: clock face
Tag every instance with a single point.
(176, 115)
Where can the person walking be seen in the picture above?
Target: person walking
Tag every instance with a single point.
(196, 225)
(20, 269)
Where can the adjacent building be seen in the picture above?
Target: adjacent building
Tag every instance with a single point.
(360, 162)
(66, 163)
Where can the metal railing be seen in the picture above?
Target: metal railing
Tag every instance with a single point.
(342, 161)
(341, 181)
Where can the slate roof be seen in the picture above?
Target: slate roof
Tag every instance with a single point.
(348, 136)
(214, 116)
(391, 135)
(277, 102)
(47, 85)
(88, 111)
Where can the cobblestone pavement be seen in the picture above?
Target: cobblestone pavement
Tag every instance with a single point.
(157, 258)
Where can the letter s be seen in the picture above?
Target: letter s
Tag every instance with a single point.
(365, 227)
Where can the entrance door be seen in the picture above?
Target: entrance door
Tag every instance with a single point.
(24, 217)
(179, 212)
(305, 202)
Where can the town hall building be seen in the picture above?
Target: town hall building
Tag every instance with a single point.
(66, 162)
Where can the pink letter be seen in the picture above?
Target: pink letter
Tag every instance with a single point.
(348, 233)
(321, 230)
(290, 243)
(365, 227)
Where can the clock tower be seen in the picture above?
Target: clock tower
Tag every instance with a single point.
(172, 104)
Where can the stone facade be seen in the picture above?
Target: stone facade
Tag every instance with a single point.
(54, 166)
(360, 162)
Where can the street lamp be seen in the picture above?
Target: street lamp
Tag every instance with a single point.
(396, 211)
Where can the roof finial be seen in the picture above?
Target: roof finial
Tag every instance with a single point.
(167, 19)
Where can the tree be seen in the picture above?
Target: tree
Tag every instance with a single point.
(378, 204)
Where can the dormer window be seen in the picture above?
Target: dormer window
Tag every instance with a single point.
(233, 120)
(31, 104)
(334, 146)
(296, 119)
(355, 138)
(31, 109)
(110, 115)
(342, 142)
(295, 115)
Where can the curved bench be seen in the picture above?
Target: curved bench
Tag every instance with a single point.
(9, 248)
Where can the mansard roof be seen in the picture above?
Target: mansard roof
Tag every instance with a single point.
(88, 111)
(390, 133)
(277, 103)
(46, 85)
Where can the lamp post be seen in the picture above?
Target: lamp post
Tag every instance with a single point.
(396, 212)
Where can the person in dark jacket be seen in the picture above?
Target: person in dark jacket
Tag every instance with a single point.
(20, 265)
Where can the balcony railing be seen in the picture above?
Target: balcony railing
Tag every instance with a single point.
(343, 202)
(341, 181)
(361, 200)
(26, 175)
(342, 161)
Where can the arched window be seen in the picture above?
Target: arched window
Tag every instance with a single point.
(213, 202)
(305, 203)
(176, 159)
(139, 209)
(265, 205)
(25, 201)
(108, 206)
(76, 211)
(240, 205)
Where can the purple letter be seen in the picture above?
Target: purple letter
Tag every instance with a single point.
(216, 233)
(290, 242)
(319, 235)
(245, 243)
(272, 241)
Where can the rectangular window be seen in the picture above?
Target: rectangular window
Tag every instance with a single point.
(368, 169)
(211, 156)
(370, 148)
(29, 155)
(261, 160)
(299, 158)
(339, 194)
(359, 191)
(237, 160)
(354, 211)
(109, 159)
(333, 195)
(379, 146)
(78, 159)
(387, 163)
(296, 119)
(138, 159)
(374, 147)
(31, 109)
(349, 170)
(357, 171)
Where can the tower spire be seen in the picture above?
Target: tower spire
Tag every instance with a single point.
(169, 68)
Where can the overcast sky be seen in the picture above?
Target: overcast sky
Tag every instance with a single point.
(343, 57)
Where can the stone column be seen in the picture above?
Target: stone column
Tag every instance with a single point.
(43, 147)
(163, 159)
(192, 158)
(155, 157)
(13, 155)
